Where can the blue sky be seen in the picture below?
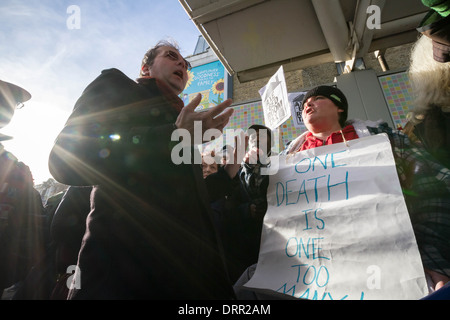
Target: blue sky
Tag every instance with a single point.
(54, 53)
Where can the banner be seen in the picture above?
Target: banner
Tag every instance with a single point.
(337, 227)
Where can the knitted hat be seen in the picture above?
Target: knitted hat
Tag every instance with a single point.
(436, 25)
(442, 7)
(335, 95)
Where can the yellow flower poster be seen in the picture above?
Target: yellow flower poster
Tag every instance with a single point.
(209, 80)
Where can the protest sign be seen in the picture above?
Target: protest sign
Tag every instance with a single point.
(295, 100)
(275, 102)
(337, 227)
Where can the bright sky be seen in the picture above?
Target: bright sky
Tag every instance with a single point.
(52, 54)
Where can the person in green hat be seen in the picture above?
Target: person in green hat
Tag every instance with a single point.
(429, 75)
(429, 118)
(436, 26)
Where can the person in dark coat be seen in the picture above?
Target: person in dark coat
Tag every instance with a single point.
(149, 233)
(239, 199)
(67, 229)
(22, 218)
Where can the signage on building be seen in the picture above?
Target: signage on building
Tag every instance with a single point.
(211, 81)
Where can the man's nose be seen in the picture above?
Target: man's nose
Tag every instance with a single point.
(310, 101)
(181, 62)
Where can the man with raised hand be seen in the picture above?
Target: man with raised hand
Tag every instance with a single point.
(149, 234)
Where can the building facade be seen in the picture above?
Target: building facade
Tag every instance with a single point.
(383, 90)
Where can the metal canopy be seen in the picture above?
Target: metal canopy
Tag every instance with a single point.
(252, 38)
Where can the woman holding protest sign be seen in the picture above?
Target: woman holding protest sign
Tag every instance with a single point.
(425, 182)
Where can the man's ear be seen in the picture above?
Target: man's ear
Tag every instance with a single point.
(340, 110)
(145, 70)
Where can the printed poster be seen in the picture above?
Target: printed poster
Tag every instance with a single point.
(210, 80)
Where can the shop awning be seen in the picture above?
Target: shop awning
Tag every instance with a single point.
(252, 38)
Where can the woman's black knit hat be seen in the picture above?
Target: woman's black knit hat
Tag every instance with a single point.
(335, 95)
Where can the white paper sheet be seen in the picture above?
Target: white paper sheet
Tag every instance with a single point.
(275, 101)
(337, 227)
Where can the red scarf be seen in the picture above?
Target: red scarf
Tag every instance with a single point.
(312, 142)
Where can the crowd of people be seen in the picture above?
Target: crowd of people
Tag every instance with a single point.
(135, 225)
